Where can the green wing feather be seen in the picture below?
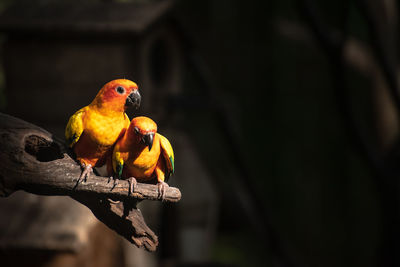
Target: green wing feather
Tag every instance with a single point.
(168, 154)
(120, 167)
(74, 128)
(118, 163)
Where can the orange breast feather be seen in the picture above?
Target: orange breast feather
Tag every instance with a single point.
(141, 164)
(99, 135)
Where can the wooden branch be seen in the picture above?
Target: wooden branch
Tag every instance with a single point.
(31, 159)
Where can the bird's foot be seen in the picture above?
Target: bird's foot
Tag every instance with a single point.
(162, 188)
(87, 170)
(116, 181)
(132, 184)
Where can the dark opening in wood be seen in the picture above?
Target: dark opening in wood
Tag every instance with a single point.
(44, 150)
(159, 62)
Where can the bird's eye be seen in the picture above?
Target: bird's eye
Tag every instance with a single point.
(136, 130)
(120, 90)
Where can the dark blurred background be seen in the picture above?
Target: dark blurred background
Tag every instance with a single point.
(283, 116)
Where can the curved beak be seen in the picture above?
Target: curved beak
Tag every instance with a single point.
(133, 100)
(147, 139)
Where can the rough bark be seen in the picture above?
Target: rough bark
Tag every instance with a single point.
(31, 159)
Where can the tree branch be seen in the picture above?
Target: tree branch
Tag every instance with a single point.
(32, 160)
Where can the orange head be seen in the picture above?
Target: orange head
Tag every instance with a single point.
(117, 95)
(142, 131)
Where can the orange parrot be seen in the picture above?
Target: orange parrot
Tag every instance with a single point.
(143, 155)
(93, 130)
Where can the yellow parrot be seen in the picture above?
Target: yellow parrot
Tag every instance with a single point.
(143, 155)
(93, 130)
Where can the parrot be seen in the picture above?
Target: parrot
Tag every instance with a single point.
(143, 155)
(92, 131)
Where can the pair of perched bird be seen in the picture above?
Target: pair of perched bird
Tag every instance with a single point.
(101, 135)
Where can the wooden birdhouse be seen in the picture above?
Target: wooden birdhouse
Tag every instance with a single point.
(57, 56)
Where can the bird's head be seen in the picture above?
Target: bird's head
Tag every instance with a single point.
(143, 129)
(118, 95)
